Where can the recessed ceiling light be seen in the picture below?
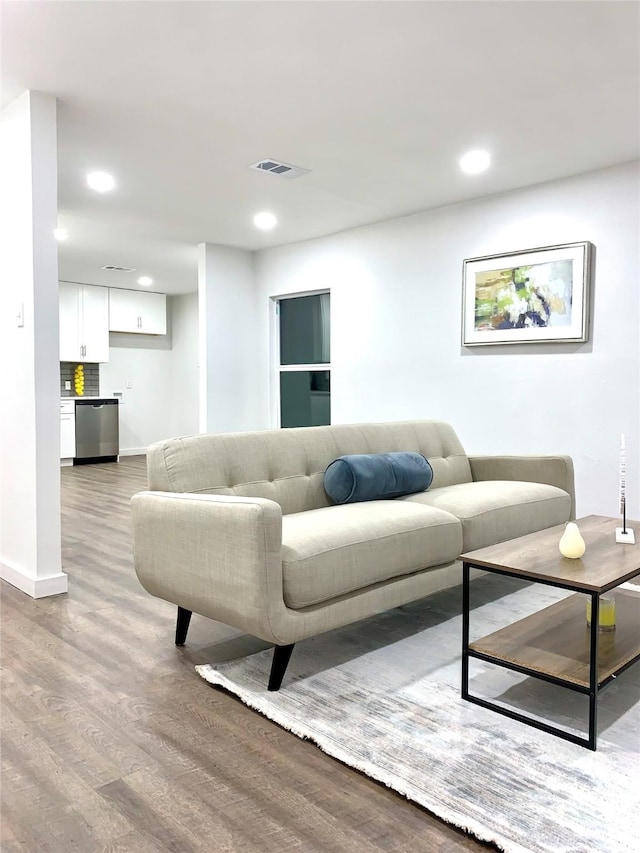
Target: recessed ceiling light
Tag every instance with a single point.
(265, 220)
(474, 162)
(145, 281)
(61, 234)
(101, 182)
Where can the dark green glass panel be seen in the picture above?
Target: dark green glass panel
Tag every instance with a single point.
(304, 330)
(305, 398)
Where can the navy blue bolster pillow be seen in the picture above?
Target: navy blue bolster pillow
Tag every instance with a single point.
(376, 476)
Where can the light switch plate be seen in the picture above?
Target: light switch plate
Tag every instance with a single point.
(67, 385)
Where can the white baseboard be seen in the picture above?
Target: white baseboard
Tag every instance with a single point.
(129, 451)
(35, 587)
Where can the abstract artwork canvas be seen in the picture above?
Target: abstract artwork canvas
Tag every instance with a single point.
(531, 296)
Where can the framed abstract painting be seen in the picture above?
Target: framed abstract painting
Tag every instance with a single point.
(532, 296)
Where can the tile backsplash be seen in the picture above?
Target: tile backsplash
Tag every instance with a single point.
(91, 378)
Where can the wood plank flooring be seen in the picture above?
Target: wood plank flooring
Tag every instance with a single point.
(111, 742)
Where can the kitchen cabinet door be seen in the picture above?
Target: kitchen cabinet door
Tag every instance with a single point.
(69, 321)
(95, 323)
(67, 429)
(153, 314)
(67, 436)
(123, 310)
(137, 313)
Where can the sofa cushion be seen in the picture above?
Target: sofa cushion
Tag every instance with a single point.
(493, 511)
(333, 551)
(376, 476)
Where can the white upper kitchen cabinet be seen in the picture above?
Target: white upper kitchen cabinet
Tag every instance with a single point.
(137, 312)
(84, 322)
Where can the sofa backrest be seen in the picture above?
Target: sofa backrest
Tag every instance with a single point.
(288, 465)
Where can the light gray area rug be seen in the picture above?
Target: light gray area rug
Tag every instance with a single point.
(383, 696)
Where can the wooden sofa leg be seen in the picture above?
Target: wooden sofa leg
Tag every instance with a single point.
(281, 655)
(182, 625)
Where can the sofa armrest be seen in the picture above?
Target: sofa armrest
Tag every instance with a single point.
(552, 470)
(217, 555)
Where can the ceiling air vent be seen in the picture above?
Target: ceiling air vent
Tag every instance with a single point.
(283, 170)
(118, 269)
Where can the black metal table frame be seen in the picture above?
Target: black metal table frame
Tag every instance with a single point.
(591, 690)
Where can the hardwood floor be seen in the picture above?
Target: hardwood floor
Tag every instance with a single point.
(111, 742)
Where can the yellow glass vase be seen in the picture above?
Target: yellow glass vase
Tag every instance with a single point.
(78, 380)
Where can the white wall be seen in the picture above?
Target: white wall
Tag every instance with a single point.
(395, 338)
(143, 361)
(30, 554)
(184, 366)
(163, 372)
(229, 395)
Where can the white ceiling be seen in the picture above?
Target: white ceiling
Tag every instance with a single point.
(377, 99)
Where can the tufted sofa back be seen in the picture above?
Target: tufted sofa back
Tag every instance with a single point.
(288, 465)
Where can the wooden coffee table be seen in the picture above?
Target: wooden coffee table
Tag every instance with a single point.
(555, 644)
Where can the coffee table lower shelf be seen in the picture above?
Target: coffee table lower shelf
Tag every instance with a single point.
(556, 645)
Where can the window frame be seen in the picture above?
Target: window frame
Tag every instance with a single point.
(276, 367)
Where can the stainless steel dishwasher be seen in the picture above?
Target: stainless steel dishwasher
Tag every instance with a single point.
(97, 431)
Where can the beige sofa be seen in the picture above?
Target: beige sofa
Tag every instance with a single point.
(237, 527)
